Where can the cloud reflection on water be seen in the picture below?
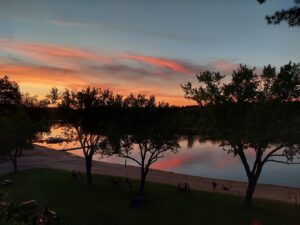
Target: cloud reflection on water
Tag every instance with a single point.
(202, 159)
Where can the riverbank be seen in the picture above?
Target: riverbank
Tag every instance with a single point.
(42, 157)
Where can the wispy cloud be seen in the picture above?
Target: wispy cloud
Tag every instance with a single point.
(65, 23)
(128, 30)
(172, 64)
(41, 74)
(45, 52)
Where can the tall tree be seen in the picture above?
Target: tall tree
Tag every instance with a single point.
(252, 112)
(85, 116)
(17, 132)
(149, 135)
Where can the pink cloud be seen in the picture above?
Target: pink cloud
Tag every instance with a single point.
(45, 52)
(174, 65)
(64, 23)
(168, 164)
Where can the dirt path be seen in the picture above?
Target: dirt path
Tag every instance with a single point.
(42, 157)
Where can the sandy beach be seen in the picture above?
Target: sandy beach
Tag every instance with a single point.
(42, 157)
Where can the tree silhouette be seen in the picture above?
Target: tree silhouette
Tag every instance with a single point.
(85, 117)
(53, 96)
(29, 101)
(252, 113)
(139, 101)
(9, 92)
(291, 16)
(17, 132)
(148, 134)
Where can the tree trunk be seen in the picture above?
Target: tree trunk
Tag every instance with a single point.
(143, 180)
(252, 185)
(249, 193)
(88, 165)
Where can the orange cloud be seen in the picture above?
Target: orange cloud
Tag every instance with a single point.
(39, 80)
(38, 76)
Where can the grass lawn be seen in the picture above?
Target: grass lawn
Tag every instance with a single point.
(105, 204)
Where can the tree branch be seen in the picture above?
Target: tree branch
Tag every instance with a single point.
(272, 152)
(129, 157)
(284, 162)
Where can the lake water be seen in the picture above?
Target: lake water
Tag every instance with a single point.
(201, 159)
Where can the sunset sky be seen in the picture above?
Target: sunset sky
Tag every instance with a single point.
(148, 47)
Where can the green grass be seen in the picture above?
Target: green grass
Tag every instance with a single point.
(104, 204)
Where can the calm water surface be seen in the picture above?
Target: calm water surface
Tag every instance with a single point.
(201, 159)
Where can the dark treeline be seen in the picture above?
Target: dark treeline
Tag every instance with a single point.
(252, 112)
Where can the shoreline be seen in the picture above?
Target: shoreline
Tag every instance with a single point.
(43, 157)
